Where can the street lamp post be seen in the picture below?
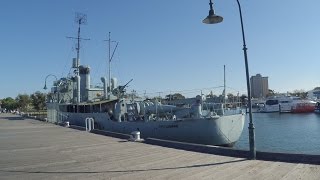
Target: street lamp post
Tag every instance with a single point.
(45, 83)
(213, 19)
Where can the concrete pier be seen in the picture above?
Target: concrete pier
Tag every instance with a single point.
(31, 149)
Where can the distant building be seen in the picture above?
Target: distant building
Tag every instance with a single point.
(314, 94)
(259, 86)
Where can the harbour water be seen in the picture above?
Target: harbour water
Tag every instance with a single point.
(284, 132)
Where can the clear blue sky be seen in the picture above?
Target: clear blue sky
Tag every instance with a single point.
(164, 46)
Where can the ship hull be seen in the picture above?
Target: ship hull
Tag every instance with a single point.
(218, 130)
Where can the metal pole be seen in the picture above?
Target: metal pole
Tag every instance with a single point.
(224, 86)
(78, 64)
(109, 79)
(251, 127)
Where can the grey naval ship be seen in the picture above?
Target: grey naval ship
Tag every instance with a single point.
(75, 101)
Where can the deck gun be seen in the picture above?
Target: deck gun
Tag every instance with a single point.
(120, 89)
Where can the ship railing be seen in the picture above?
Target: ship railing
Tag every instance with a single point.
(223, 109)
(89, 124)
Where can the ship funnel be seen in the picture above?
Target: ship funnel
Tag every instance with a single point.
(114, 83)
(78, 88)
(85, 76)
(103, 79)
(84, 72)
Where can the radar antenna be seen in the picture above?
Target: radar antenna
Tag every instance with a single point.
(80, 19)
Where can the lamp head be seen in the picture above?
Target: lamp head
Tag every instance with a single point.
(45, 86)
(212, 18)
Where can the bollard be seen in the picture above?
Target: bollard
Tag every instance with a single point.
(135, 136)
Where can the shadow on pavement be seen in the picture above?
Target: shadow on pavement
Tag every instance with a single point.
(127, 170)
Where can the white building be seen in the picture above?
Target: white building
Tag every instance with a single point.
(314, 94)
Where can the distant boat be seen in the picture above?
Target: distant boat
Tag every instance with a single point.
(303, 106)
(288, 104)
(272, 104)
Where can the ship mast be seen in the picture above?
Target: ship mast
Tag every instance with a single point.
(109, 65)
(79, 19)
(224, 86)
(109, 62)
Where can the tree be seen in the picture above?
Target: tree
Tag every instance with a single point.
(23, 101)
(230, 96)
(174, 96)
(244, 99)
(299, 93)
(38, 100)
(9, 103)
(270, 93)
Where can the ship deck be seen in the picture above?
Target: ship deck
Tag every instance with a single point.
(32, 149)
